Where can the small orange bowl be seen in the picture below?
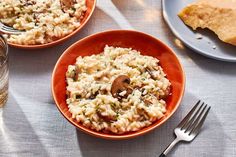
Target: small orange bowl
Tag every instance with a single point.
(90, 8)
(95, 44)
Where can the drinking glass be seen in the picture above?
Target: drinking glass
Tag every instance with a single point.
(4, 71)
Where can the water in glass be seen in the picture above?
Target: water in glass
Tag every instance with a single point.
(4, 72)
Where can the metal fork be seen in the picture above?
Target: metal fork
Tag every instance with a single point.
(190, 126)
(9, 30)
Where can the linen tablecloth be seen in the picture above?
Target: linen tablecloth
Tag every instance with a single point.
(31, 125)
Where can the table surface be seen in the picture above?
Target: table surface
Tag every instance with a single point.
(31, 125)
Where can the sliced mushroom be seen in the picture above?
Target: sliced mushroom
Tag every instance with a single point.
(167, 93)
(93, 96)
(150, 73)
(67, 4)
(27, 2)
(77, 71)
(148, 102)
(119, 85)
(143, 112)
(103, 91)
(36, 17)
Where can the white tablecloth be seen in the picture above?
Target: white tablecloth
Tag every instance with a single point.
(31, 125)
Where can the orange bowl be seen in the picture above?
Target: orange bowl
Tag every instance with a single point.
(95, 44)
(90, 8)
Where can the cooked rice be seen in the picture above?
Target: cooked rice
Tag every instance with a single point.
(89, 90)
(43, 20)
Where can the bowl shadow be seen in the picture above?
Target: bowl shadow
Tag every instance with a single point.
(20, 139)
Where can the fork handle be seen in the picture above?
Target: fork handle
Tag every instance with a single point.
(167, 150)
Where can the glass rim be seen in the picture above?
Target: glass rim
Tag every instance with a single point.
(5, 47)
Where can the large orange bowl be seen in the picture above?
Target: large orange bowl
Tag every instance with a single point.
(95, 44)
(90, 8)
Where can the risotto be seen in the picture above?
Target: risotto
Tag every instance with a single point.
(118, 90)
(42, 21)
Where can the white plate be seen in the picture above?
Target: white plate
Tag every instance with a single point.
(204, 46)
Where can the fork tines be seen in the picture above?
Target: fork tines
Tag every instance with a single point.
(194, 120)
(7, 29)
(190, 126)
